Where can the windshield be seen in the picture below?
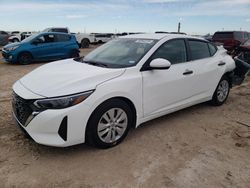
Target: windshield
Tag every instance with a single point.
(30, 38)
(120, 53)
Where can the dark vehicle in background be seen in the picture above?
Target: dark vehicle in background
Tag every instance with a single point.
(230, 39)
(166, 32)
(42, 47)
(3, 38)
(246, 45)
(57, 29)
(241, 56)
(243, 51)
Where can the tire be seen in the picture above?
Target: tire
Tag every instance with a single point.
(85, 43)
(221, 93)
(74, 54)
(103, 131)
(15, 40)
(25, 58)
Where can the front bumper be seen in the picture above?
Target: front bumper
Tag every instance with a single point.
(60, 128)
(9, 56)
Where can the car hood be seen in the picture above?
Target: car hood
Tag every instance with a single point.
(11, 45)
(67, 77)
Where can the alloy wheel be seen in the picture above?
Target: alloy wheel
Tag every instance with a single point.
(112, 125)
(222, 90)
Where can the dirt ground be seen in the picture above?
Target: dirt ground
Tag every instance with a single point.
(202, 146)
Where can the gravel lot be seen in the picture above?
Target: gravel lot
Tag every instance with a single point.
(202, 146)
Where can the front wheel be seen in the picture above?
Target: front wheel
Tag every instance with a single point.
(25, 58)
(109, 124)
(222, 91)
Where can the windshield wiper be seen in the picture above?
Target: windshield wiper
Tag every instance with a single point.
(95, 63)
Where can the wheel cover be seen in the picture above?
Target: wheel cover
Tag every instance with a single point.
(222, 90)
(112, 125)
(25, 58)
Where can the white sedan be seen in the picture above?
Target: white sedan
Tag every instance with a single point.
(123, 83)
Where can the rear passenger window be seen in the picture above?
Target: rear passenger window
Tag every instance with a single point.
(212, 49)
(62, 38)
(199, 50)
(173, 51)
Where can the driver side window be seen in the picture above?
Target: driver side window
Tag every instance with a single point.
(173, 51)
(40, 39)
(46, 38)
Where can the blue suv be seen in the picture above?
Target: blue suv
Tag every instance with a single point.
(42, 47)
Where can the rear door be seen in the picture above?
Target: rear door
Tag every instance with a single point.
(207, 68)
(63, 45)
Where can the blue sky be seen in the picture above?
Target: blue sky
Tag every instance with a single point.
(196, 16)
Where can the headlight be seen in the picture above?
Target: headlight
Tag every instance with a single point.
(62, 102)
(12, 48)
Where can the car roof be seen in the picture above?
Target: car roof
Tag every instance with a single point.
(159, 36)
(51, 33)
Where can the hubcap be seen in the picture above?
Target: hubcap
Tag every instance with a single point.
(222, 91)
(112, 125)
(25, 59)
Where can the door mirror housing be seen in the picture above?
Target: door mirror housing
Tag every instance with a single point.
(36, 41)
(160, 64)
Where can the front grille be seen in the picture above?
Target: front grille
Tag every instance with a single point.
(21, 108)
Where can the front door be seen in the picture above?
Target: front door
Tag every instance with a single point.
(45, 47)
(167, 89)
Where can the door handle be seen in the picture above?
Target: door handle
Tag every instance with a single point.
(187, 72)
(221, 63)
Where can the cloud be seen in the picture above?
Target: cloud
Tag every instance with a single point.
(75, 16)
(229, 2)
(182, 8)
(48, 6)
(161, 1)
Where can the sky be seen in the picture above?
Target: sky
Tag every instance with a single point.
(196, 16)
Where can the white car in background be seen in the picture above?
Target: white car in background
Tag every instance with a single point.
(118, 86)
(84, 39)
(18, 37)
(103, 37)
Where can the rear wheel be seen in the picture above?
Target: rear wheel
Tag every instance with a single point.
(222, 91)
(15, 40)
(25, 58)
(109, 124)
(85, 43)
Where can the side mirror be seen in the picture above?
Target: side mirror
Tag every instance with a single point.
(35, 42)
(160, 64)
